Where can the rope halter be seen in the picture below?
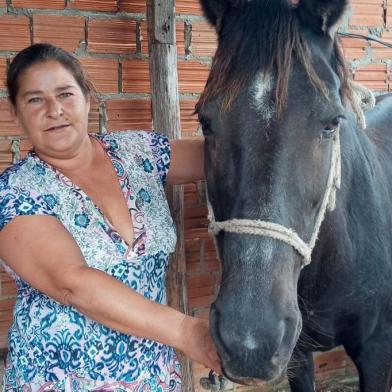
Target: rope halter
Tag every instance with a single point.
(280, 232)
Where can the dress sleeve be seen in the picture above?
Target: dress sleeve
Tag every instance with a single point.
(15, 201)
(160, 147)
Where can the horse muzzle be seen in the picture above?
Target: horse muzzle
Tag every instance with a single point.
(253, 356)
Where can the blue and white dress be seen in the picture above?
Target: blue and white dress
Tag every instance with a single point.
(53, 347)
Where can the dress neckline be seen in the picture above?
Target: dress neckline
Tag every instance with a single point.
(137, 247)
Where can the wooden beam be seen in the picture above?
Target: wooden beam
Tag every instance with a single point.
(166, 118)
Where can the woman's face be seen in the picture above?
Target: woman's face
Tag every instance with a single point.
(52, 109)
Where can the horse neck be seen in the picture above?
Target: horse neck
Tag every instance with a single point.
(365, 189)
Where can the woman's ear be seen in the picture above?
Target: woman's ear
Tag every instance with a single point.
(14, 116)
(88, 102)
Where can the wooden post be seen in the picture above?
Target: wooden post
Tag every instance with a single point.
(166, 118)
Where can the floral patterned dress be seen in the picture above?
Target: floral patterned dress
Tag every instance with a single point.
(53, 347)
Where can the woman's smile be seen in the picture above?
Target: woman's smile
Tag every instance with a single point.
(61, 127)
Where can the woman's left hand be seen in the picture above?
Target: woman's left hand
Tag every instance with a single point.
(196, 343)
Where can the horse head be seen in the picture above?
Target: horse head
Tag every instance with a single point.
(271, 113)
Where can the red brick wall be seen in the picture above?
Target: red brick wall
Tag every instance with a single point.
(110, 38)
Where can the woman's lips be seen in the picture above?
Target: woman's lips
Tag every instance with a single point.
(57, 127)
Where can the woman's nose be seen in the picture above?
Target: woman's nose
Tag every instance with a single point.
(54, 109)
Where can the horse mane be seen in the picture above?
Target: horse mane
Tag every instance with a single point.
(263, 37)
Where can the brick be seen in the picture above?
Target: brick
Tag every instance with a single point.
(209, 244)
(190, 198)
(197, 222)
(129, 114)
(193, 266)
(196, 233)
(103, 73)
(354, 53)
(193, 256)
(5, 324)
(380, 51)
(65, 31)
(94, 5)
(367, 13)
(180, 38)
(6, 305)
(3, 3)
(189, 120)
(93, 118)
(373, 76)
(25, 147)
(200, 302)
(136, 76)
(3, 72)
(5, 160)
(389, 15)
(354, 48)
(4, 276)
(112, 36)
(210, 254)
(192, 246)
(331, 360)
(212, 265)
(40, 4)
(192, 76)
(200, 281)
(14, 32)
(7, 124)
(8, 288)
(188, 7)
(195, 212)
(3, 341)
(204, 39)
(200, 292)
(135, 6)
(190, 188)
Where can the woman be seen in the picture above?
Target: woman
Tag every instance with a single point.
(86, 232)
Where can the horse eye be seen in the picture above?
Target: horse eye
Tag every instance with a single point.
(331, 128)
(205, 125)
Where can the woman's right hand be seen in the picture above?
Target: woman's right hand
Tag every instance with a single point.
(197, 344)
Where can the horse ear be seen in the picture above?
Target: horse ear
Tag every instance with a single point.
(214, 10)
(323, 15)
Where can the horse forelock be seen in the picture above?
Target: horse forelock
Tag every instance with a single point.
(261, 38)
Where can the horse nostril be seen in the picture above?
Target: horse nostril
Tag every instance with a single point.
(276, 358)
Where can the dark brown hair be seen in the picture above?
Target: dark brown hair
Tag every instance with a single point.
(41, 53)
(263, 38)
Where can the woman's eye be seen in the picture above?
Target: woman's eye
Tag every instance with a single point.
(65, 95)
(34, 100)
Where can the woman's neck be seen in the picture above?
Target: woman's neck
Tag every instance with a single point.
(79, 160)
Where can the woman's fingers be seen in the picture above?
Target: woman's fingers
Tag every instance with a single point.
(199, 345)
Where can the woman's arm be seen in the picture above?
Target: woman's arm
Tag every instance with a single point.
(43, 253)
(187, 161)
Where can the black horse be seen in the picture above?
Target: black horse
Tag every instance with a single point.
(276, 101)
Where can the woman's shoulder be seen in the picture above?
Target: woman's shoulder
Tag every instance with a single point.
(135, 142)
(134, 136)
(9, 176)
